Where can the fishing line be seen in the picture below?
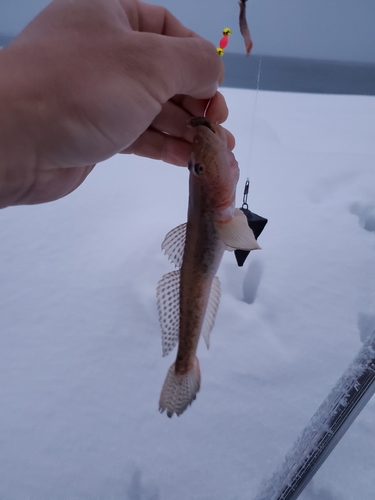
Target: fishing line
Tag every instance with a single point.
(255, 222)
(254, 111)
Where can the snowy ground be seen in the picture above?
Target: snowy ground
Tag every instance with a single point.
(80, 358)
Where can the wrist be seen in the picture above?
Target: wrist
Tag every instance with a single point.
(18, 128)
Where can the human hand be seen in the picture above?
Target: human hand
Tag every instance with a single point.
(93, 78)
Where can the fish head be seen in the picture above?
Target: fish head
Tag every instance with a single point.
(213, 168)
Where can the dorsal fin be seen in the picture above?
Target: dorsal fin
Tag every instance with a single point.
(168, 301)
(174, 244)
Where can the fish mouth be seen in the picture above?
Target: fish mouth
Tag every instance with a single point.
(208, 141)
(202, 124)
(200, 121)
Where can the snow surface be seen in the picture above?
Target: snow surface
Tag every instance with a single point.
(80, 359)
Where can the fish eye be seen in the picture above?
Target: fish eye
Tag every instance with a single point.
(198, 168)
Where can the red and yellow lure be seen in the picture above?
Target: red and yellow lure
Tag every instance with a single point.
(224, 41)
(244, 29)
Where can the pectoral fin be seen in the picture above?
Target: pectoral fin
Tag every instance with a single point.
(236, 233)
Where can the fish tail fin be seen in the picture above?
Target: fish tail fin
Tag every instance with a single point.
(179, 391)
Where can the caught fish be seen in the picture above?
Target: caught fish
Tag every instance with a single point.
(244, 28)
(188, 298)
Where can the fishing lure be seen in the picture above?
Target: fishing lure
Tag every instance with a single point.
(224, 41)
(244, 28)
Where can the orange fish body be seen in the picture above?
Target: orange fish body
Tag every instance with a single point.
(188, 298)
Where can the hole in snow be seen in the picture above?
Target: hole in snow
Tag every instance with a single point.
(252, 281)
(365, 214)
(137, 491)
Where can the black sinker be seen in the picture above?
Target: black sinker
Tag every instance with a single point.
(256, 223)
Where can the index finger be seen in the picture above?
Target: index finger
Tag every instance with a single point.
(158, 20)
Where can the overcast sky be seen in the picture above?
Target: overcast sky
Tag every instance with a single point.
(321, 29)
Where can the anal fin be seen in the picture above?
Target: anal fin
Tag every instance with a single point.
(212, 307)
